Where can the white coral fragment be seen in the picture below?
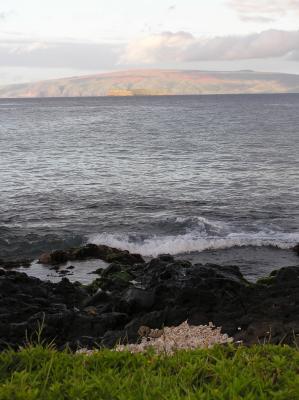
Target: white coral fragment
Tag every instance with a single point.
(182, 337)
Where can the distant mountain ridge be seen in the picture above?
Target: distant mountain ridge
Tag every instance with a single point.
(157, 82)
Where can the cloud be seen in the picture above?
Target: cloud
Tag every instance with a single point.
(86, 56)
(257, 19)
(159, 49)
(4, 15)
(183, 47)
(263, 10)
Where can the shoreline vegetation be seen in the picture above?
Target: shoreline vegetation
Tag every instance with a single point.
(56, 338)
(222, 373)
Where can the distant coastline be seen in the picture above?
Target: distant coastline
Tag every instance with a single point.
(157, 83)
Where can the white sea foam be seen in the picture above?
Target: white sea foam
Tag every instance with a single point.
(202, 225)
(192, 242)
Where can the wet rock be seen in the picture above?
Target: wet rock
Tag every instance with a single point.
(111, 255)
(96, 272)
(286, 274)
(112, 269)
(116, 277)
(64, 272)
(139, 299)
(99, 297)
(91, 251)
(296, 249)
(166, 257)
(169, 292)
(59, 257)
(15, 264)
(88, 251)
(55, 258)
(113, 284)
(45, 258)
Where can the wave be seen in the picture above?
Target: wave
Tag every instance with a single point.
(191, 242)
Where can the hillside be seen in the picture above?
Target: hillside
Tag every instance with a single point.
(157, 82)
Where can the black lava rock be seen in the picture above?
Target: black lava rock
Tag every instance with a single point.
(162, 292)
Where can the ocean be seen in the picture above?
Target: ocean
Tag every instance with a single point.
(206, 178)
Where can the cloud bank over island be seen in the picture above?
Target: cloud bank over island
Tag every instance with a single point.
(182, 46)
(264, 10)
(27, 53)
(165, 47)
(36, 42)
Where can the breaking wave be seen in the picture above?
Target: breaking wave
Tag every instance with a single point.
(200, 234)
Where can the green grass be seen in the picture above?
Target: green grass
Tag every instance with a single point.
(260, 372)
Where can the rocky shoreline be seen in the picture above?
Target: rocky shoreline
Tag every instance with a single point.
(131, 293)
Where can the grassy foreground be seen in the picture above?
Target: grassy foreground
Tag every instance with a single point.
(260, 372)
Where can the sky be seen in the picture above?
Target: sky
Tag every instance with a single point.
(59, 38)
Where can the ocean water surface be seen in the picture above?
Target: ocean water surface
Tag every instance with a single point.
(208, 178)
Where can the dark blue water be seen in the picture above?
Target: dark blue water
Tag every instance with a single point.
(213, 177)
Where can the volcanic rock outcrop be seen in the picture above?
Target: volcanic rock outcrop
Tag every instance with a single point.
(162, 292)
